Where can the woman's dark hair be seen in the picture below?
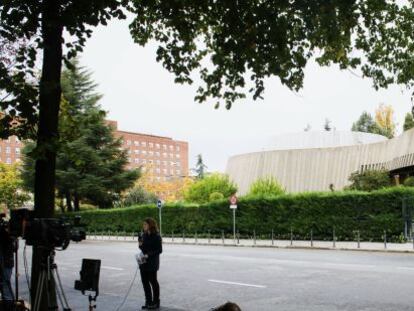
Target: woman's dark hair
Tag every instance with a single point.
(228, 306)
(152, 224)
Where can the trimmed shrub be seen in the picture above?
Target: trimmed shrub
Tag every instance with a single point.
(370, 180)
(216, 196)
(200, 191)
(348, 212)
(268, 186)
(138, 195)
(409, 182)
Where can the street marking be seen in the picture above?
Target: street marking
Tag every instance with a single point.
(405, 268)
(235, 283)
(112, 268)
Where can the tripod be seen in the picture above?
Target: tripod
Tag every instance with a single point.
(92, 302)
(48, 270)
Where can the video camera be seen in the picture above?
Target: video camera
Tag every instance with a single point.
(47, 232)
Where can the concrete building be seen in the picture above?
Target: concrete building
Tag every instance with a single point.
(165, 157)
(311, 161)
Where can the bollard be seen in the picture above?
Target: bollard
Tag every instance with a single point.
(125, 236)
(334, 238)
(183, 237)
(291, 236)
(238, 237)
(358, 239)
(254, 237)
(209, 237)
(311, 237)
(273, 237)
(196, 238)
(222, 235)
(385, 239)
(172, 236)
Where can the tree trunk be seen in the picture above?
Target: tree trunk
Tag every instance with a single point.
(76, 202)
(47, 134)
(69, 202)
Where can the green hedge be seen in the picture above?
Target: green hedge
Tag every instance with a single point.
(347, 212)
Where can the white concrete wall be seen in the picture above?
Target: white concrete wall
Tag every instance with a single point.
(315, 169)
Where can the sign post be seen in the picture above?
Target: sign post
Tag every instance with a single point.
(159, 205)
(233, 206)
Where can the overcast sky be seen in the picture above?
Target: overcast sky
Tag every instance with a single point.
(142, 97)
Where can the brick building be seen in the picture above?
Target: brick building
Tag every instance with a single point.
(10, 150)
(165, 157)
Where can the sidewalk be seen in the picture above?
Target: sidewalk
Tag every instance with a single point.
(328, 245)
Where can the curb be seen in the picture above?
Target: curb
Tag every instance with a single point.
(321, 248)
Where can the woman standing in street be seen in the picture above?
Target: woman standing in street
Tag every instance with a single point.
(151, 246)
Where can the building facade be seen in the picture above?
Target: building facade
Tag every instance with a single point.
(165, 157)
(320, 165)
(10, 150)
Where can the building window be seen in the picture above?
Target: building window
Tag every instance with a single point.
(128, 142)
(143, 144)
(136, 151)
(144, 161)
(136, 143)
(17, 150)
(157, 154)
(164, 154)
(8, 161)
(151, 145)
(164, 147)
(171, 155)
(164, 171)
(144, 152)
(164, 162)
(171, 171)
(136, 160)
(129, 160)
(158, 170)
(171, 147)
(172, 163)
(157, 146)
(177, 156)
(7, 149)
(158, 178)
(178, 172)
(178, 164)
(151, 153)
(129, 151)
(177, 148)
(150, 161)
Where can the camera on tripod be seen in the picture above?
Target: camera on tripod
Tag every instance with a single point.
(46, 232)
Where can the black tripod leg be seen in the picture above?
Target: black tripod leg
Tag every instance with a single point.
(60, 291)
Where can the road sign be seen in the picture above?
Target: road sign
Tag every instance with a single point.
(233, 200)
(159, 203)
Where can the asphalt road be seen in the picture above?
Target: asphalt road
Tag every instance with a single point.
(200, 277)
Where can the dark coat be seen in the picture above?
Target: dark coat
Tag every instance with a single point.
(151, 246)
(6, 249)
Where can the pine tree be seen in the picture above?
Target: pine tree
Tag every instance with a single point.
(90, 163)
(200, 167)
